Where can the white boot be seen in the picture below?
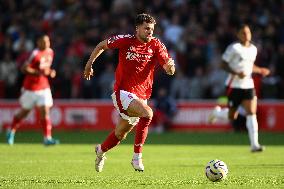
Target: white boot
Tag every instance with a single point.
(137, 163)
(100, 160)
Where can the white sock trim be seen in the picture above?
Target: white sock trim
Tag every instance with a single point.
(252, 127)
(137, 155)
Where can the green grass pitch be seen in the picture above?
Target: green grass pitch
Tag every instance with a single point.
(172, 160)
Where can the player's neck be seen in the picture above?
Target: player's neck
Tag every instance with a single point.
(139, 39)
(42, 49)
(245, 43)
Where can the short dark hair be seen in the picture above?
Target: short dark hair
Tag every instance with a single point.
(141, 18)
(240, 26)
(40, 35)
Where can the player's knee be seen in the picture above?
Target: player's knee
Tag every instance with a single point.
(149, 114)
(22, 114)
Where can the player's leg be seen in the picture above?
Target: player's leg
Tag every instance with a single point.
(119, 133)
(112, 140)
(18, 117)
(135, 108)
(252, 125)
(218, 113)
(45, 123)
(239, 123)
(44, 102)
(139, 108)
(27, 103)
(121, 100)
(230, 112)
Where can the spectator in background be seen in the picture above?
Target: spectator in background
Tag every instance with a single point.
(36, 90)
(164, 111)
(23, 42)
(203, 25)
(215, 82)
(106, 81)
(173, 30)
(179, 86)
(280, 70)
(8, 75)
(198, 84)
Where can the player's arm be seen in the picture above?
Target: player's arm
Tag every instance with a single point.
(260, 70)
(26, 69)
(169, 67)
(164, 58)
(228, 56)
(225, 66)
(99, 49)
(49, 72)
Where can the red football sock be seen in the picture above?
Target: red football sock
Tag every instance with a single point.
(15, 124)
(141, 134)
(110, 142)
(46, 124)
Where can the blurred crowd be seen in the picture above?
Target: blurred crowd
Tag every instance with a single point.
(196, 33)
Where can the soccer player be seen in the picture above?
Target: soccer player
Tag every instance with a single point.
(138, 55)
(36, 90)
(238, 61)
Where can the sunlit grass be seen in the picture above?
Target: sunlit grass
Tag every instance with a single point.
(172, 160)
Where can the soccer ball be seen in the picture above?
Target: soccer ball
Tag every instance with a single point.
(216, 170)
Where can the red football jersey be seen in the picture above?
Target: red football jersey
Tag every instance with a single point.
(38, 60)
(135, 70)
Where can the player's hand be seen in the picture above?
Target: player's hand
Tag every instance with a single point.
(49, 72)
(264, 72)
(170, 66)
(88, 72)
(52, 73)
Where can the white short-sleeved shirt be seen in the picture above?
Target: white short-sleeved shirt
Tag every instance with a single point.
(240, 59)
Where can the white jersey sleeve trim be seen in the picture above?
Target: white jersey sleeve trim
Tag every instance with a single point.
(33, 54)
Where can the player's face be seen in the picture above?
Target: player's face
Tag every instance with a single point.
(145, 32)
(44, 42)
(244, 34)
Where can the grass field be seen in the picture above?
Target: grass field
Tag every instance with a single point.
(172, 160)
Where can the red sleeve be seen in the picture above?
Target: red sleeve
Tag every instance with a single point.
(31, 57)
(162, 53)
(52, 53)
(118, 41)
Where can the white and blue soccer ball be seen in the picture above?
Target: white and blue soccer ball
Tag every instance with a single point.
(216, 170)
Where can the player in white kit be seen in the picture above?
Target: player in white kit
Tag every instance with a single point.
(238, 61)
